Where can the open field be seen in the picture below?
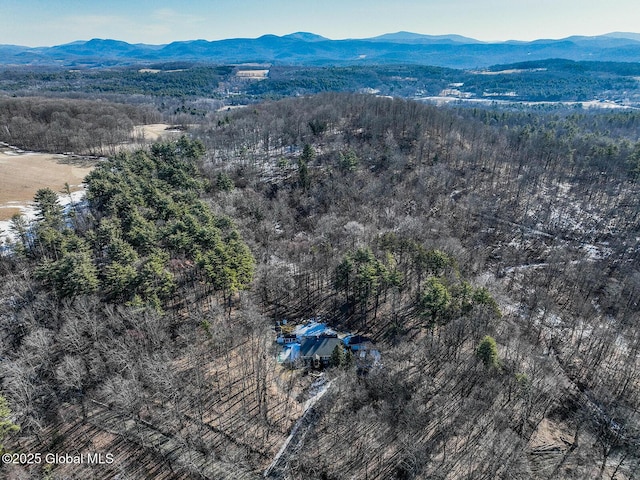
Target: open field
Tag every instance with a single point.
(155, 132)
(22, 174)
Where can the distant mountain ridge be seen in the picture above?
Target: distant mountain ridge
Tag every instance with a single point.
(410, 37)
(304, 48)
(627, 35)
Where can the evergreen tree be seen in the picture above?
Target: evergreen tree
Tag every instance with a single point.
(49, 212)
(20, 228)
(304, 180)
(308, 155)
(481, 296)
(73, 273)
(6, 425)
(224, 183)
(337, 356)
(148, 212)
(435, 300)
(348, 161)
(487, 351)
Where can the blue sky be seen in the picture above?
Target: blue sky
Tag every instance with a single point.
(53, 22)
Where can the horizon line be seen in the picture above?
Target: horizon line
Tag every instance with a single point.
(426, 35)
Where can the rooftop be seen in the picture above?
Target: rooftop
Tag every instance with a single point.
(321, 346)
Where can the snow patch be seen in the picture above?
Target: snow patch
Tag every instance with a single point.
(29, 213)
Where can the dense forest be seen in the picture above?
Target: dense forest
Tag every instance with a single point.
(491, 254)
(63, 125)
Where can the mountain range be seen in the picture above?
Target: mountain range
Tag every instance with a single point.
(303, 48)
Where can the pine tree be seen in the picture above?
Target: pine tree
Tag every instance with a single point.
(6, 425)
(435, 300)
(337, 356)
(487, 351)
(308, 155)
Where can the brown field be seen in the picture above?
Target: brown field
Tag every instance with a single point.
(154, 132)
(22, 174)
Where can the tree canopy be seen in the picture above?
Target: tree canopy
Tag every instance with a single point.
(144, 211)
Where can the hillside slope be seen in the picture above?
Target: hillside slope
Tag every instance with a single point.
(490, 255)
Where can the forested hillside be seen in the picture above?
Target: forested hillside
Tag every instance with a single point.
(540, 209)
(63, 125)
(490, 254)
(193, 90)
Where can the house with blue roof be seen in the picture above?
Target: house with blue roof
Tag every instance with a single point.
(312, 344)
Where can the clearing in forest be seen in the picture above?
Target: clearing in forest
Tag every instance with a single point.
(23, 173)
(155, 132)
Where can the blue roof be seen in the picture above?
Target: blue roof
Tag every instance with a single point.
(313, 329)
(289, 353)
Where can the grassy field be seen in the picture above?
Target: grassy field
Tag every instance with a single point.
(154, 132)
(22, 174)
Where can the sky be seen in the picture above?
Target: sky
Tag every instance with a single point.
(54, 22)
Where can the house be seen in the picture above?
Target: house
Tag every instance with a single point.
(316, 351)
(287, 338)
(312, 344)
(306, 330)
(357, 343)
(289, 353)
(313, 329)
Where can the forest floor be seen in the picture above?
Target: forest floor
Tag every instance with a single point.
(277, 466)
